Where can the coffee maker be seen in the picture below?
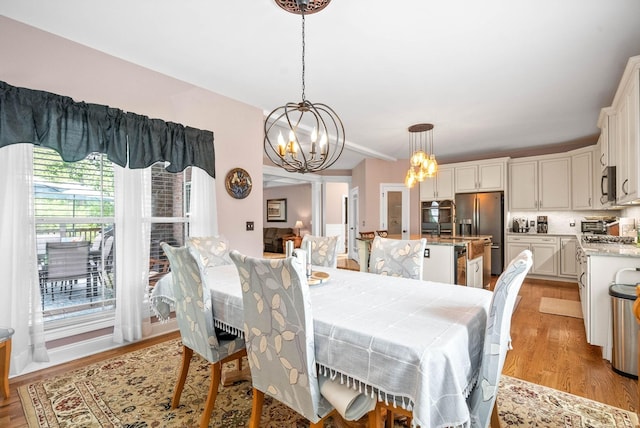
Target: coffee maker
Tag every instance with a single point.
(542, 224)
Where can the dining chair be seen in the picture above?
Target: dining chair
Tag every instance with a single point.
(67, 262)
(324, 249)
(397, 257)
(194, 314)
(497, 340)
(278, 326)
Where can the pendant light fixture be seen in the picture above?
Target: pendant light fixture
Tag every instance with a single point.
(422, 159)
(303, 136)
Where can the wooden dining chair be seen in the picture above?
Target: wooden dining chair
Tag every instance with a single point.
(397, 257)
(324, 249)
(194, 314)
(279, 337)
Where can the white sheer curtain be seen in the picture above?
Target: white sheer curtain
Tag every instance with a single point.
(204, 213)
(20, 306)
(132, 235)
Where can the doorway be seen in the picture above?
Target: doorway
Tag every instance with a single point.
(353, 224)
(394, 210)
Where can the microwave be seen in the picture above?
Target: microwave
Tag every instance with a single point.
(608, 185)
(594, 226)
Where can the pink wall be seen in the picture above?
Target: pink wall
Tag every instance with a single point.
(335, 193)
(367, 176)
(36, 59)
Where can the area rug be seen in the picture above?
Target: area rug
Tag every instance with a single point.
(134, 391)
(567, 308)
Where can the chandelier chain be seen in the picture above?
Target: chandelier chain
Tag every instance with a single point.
(303, 64)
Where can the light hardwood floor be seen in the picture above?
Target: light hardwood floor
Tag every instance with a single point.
(550, 350)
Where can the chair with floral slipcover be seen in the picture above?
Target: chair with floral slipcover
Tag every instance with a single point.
(497, 341)
(195, 319)
(397, 257)
(324, 249)
(278, 327)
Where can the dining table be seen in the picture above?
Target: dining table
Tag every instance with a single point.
(413, 342)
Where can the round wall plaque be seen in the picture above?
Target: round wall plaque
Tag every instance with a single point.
(238, 183)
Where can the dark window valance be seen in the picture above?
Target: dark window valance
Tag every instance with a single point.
(76, 129)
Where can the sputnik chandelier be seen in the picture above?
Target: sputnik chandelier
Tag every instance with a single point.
(422, 159)
(313, 137)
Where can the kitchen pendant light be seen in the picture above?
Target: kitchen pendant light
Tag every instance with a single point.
(422, 160)
(313, 137)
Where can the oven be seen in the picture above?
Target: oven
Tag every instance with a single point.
(437, 217)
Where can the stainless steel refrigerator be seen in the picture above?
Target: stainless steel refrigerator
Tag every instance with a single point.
(483, 214)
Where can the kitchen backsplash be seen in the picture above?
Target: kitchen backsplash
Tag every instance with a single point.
(559, 221)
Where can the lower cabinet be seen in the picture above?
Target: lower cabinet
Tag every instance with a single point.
(568, 260)
(545, 251)
(438, 264)
(474, 272)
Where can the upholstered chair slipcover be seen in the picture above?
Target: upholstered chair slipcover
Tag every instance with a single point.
(324, 250)
(279, 336)
(209, 251)
(397, 257)
(497, 339)
(194, 314)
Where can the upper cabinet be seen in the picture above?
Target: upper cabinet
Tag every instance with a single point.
(582, 181)
(543, 183)
(620, 133)
(481, 176)
(439, 187)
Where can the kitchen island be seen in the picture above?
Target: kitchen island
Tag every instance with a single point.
(598, 265)
(448, 259)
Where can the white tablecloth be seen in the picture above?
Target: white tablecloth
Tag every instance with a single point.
(396, 337)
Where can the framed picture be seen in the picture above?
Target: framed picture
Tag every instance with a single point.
(276, 210)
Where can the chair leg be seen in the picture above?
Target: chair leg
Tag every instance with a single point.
(495, 420)
(216, 373)
(390, 419)
(256, 408)
(5, 358)
(187, 353)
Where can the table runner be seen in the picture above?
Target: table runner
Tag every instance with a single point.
(415, 341)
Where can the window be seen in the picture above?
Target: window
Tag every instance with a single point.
(74, 208)
(75, 239)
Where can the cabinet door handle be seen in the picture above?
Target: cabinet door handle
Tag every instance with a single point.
(580, 283)
(623, 186)
(477, 267)
(602, 160)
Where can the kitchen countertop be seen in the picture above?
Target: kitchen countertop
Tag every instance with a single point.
(624, 250)
(454, 240)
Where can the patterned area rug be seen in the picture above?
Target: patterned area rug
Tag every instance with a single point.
(135, 389)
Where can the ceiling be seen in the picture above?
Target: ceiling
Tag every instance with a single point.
(495, 77)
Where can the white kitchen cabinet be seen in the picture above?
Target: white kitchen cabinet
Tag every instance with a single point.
(568, 261)
(627, 144)
(600, 273)
(545, 251)
(474, 272)
(582, 181)
(605, 137)
(479, 177)
(438, 264)
(543, 183)
(439, 187)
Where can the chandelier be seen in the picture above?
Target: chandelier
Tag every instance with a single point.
(313, 137)
(422, 159)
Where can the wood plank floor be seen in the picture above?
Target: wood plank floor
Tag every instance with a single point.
(550, 350)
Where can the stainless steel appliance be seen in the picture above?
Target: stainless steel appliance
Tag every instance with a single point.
(483, 214)
(542, 225)
(593, 226)
(437, 217)
(608, 185)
